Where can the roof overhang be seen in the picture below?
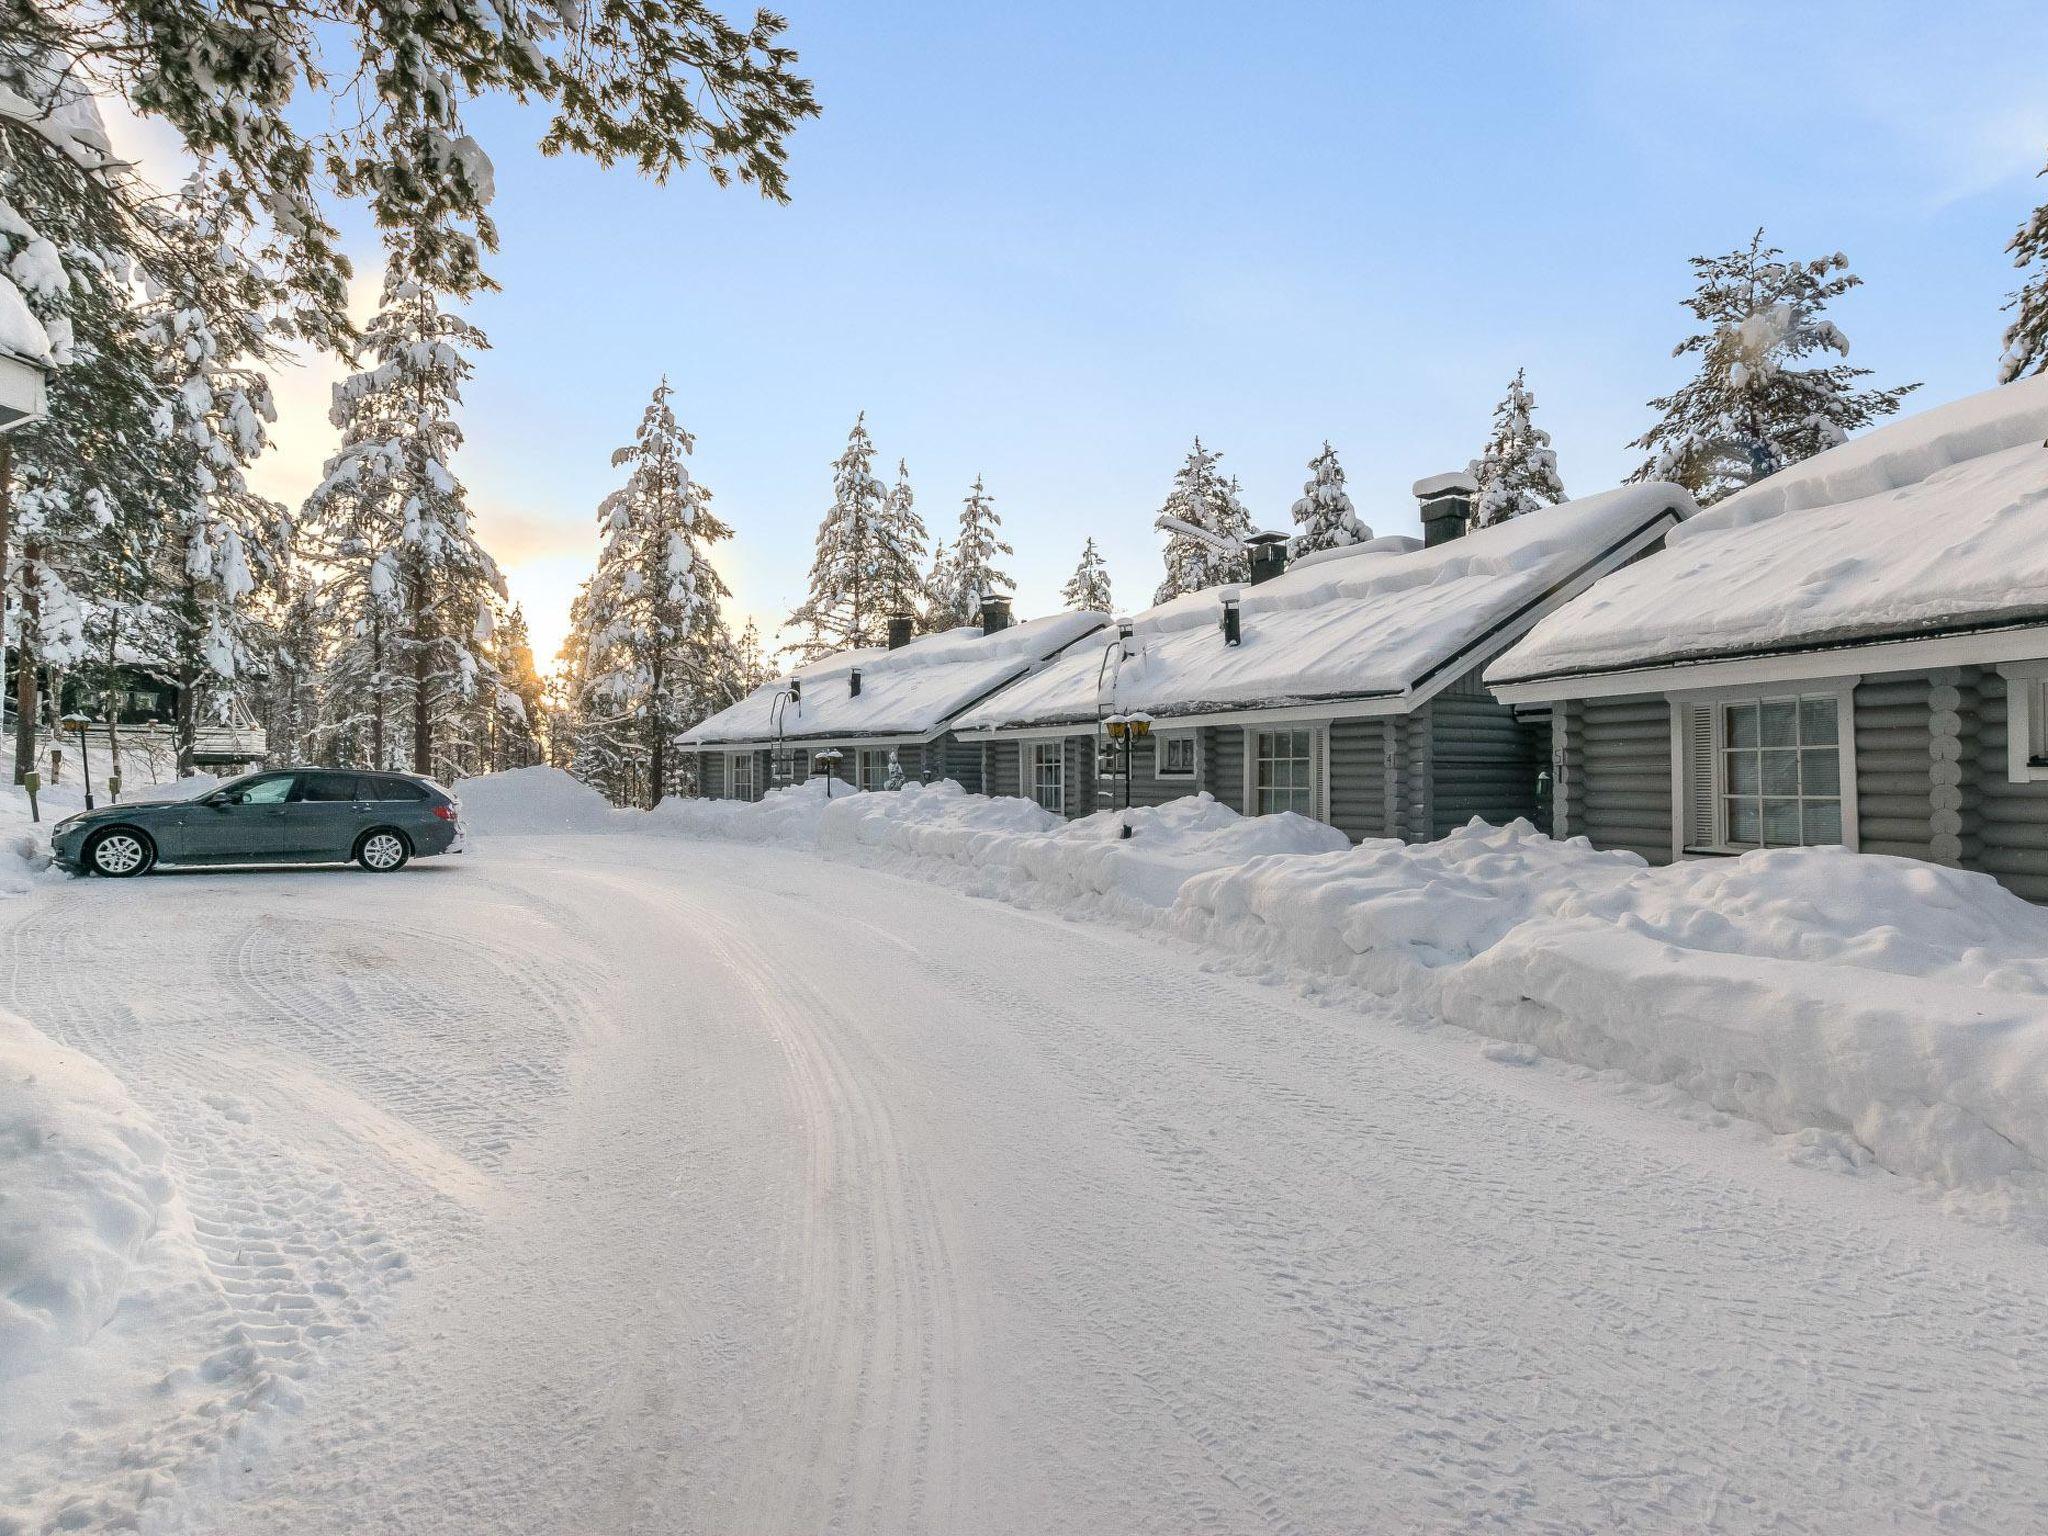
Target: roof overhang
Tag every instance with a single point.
(23, 395)
(1974, 647)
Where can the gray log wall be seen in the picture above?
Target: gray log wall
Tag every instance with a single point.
(1614, 783)
(1482, 761)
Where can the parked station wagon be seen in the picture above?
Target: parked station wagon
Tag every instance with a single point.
(278, 816)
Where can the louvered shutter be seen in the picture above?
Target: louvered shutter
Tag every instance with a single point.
(1698, 735)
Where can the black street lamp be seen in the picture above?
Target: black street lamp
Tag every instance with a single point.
(1127, 731)
(78, 723)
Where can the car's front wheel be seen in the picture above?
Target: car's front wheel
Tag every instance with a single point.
(383, 850)
(118, 853)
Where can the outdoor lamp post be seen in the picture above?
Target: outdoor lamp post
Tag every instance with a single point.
(1127, 731)
(77, 724)
(828, 763)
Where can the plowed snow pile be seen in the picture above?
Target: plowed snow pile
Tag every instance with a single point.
(1893, 1002)
(530, 800)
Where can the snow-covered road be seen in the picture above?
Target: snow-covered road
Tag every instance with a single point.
(625, 1184)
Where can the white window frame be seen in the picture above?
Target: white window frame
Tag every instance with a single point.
(1842, 691)
(878, 758)
(1109, 756)
(1028, 771)
(2026, 721)
(1160, 742)
(733, 760)
(1318, 761)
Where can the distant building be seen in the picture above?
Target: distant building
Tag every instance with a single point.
(870, 705)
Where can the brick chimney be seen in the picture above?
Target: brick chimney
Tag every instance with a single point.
(1269, 556)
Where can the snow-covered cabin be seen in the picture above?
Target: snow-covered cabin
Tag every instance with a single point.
(1852, 651)
(869, 705)
(1346, 688)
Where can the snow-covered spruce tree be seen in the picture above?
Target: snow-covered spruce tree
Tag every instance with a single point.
(1517, 469)
(408, 581)
(750, 661)
(1750, 410)
(2026, 339)
(900, 549)
(518, 718)
(1323, 515)
(76, 487)
(658, 653)
(1202, 498)
(1087, 590)
(288, 675)
(970, 571)
(937, 604)
(366, 97)
(207, 324)
(846, 606)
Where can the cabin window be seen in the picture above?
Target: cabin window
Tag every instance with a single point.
(1109, 757)
(1049, 775)
(1176, 756)
(874, 768)
(1283, 772)
(2026, 721)
(739, 777)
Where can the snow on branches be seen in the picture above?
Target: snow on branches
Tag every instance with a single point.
(1323, 515)
(1751, 410)
(1517, 469)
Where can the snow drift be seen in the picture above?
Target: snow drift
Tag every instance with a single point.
(83, 1185)
(1896, 1003)
(530, 800)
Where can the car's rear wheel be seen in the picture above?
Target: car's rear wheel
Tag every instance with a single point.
(381, 850)
(119, 853)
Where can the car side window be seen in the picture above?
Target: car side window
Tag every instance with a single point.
(396, 789)
(269, 791)
(325, 788)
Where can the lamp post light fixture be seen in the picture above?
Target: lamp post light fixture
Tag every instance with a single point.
(828, 763)
(1126, 731)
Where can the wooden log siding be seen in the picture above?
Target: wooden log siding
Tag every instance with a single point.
(2012, 824)
(1358, 778)
(1002, 765)
(1568, 768)
(711, 776)
(1081, 798)
(959, 761)
(1622, 792)
(1483, 761)
(1147, 788)
(1892, 760)
(1223, 764)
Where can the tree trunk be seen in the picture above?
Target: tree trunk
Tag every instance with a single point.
(657, 742)
(422, 665)
(376, 689)
(27, 650)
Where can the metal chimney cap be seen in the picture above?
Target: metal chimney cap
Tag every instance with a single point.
(1452, 483)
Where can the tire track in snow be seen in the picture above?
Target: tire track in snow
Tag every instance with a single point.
(875, 1385)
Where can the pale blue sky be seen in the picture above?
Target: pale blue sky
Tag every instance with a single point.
(1051, 243)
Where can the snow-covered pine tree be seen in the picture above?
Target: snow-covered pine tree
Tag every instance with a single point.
(1323, 515)
(77, 487)
(1087, 590)
(1517, 469)
(846, 605)
(520, 718)
(900, 549)
(937, 605)
(409, 583)
(291, 647)
(659, 653)
(291, 94)
(1750, 411)
(970, 568)
(750, 661)
(1202, 498)
(208, 325)
(2026, 339)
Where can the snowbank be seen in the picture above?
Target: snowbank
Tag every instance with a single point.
(529, 800)
(1894, 1003)
(1037, 853)
(83, 1186)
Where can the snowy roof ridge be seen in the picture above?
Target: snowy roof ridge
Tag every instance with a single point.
(1370, 625)
(912, 690)
(1926, 526)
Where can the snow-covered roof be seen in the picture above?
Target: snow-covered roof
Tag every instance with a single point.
(1931, 525)
(1377, 622)
(21, 334)
(913, 690)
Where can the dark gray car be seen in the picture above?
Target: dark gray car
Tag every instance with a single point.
(277, 816)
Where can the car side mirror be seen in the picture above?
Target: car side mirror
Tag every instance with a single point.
(223, 800)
